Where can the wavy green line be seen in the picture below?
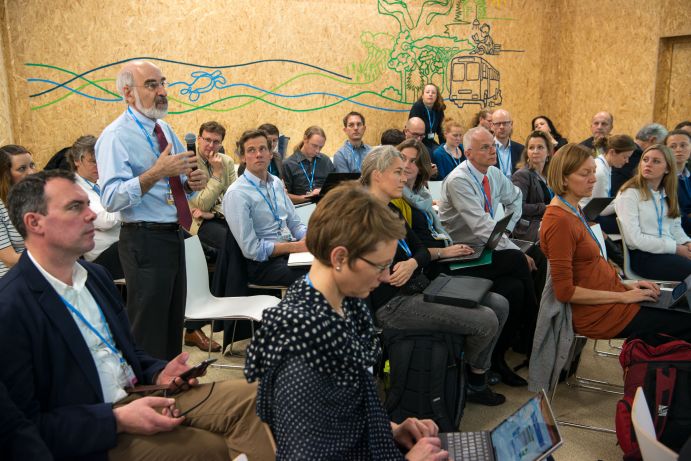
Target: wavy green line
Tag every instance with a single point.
(74, 74)
(70, 93)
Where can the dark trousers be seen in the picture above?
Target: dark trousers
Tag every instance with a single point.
(275, 271)
(212, 232)
(660, 266)
(653, 320)
(110, 259)
(154, 266)
(513, 280)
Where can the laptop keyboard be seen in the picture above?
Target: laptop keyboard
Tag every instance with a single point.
(468, 446)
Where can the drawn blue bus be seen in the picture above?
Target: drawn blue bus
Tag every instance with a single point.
(474, 81)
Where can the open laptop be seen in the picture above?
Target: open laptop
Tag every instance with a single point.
(523, 245)
(595, 206)
(530, 434)
(492, 242)
(669, 296)
(332, 180)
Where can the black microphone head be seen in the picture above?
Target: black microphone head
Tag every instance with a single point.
(190, 138)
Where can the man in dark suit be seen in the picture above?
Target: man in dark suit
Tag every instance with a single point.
(508, 151)
(73, 359)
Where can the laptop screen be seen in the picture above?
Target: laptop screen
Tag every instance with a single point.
(528, 434)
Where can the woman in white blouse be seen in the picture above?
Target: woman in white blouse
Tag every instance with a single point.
(82, 159)
(648, 209)
(617, 151)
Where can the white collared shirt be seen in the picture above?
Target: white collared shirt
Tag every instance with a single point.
(504, 157)
(111, 375)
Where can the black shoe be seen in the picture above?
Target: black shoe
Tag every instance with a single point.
(507, 375)
(493, 377)
(486, 397)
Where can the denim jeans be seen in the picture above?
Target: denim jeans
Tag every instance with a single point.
(480, 325)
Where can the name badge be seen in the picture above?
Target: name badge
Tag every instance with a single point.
(430, 135)
(285, 234)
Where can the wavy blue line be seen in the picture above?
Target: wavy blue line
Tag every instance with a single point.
(321, 93)
(73, 90)
(229, 66)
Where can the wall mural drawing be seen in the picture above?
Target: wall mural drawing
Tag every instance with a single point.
(446, 42)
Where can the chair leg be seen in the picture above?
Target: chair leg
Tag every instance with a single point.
(605, 353)
(584, 383)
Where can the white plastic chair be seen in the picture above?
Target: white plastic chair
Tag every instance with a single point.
(202, 305)
(628, 273)
(651, 448)
(435, 189)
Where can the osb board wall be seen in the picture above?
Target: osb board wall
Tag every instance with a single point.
(608, 53)
(336, 49)
(5, 112)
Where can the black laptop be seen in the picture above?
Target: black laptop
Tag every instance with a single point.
(491, 244)
(595, 206)
(333, 180)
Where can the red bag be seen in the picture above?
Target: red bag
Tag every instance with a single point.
(662, 366)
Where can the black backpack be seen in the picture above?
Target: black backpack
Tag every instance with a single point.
(427, 377)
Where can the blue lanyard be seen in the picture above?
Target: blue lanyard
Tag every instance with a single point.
(271, 169)
(80, 316)
(456, 161)
(310, 182)
(94, 187)
(146, 133)
(585, 223)
(309, 281)
(430, 118)
(605, 165)
(508, 162)
(402, 243)
(274, 208)
(660, 213)
(687, 184)
(488, 204)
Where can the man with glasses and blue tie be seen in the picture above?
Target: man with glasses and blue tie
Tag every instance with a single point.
(146, 174)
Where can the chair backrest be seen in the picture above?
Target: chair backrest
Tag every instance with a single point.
(197, 272)
(628, 273)
(651, 448)
(305, 211)
(435, 189)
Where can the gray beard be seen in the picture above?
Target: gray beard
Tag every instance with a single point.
(152, 112)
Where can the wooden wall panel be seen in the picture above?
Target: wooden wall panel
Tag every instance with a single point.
(567, 59)
(6, 135)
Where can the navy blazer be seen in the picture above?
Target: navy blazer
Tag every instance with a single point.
(516, 151)
(49, 371)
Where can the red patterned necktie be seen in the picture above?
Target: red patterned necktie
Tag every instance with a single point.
(488, 194)
(179, 197)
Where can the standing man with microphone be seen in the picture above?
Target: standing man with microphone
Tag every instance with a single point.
(146, 174)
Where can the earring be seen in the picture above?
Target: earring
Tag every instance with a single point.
(338, 268)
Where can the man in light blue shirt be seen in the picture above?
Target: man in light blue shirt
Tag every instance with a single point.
(262, 218)
(349, 157)
(508, 151)
(145, 174)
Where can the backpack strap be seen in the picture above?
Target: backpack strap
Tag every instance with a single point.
(665, 379)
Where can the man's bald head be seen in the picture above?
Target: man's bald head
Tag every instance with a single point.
(601, 124)
(414, 128)
(503, 125)
(142, 86)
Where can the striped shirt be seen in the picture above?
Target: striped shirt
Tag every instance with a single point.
(9, 237)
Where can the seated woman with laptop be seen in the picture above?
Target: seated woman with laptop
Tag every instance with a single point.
(313, 354)
(399, 302)
(603, 306)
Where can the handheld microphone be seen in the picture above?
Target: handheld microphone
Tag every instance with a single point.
(190, 139)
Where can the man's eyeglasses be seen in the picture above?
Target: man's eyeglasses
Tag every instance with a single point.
(152, 85)
(506, 123)
(213, 142)
(380, 267)
(417, 136)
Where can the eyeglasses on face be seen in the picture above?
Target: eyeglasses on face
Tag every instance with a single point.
(153, 85)
(213, 142)
(380, 267)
